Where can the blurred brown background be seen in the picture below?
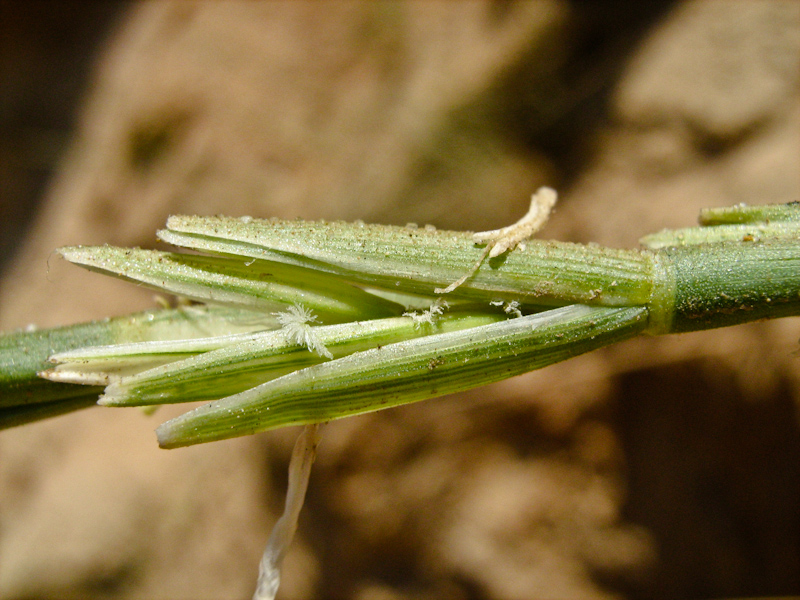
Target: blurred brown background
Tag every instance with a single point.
(664, 468)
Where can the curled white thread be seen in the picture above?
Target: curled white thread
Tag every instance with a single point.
(502, 240)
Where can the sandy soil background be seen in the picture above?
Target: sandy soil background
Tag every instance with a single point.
(662, 468)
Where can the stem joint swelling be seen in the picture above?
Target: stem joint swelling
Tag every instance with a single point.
(661, 303)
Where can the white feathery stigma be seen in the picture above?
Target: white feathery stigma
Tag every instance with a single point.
(296, 326)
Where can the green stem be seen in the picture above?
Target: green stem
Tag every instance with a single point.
(742, 213)
(744, 265)
(29, 413)
(728, 283)
(24, 354)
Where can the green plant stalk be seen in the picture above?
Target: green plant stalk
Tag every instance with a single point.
(23, 354)
(713, 276)
(750, 232)
(23, 414)
(25, 397)
(733, 224)
(728, 283)
(788, 213)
